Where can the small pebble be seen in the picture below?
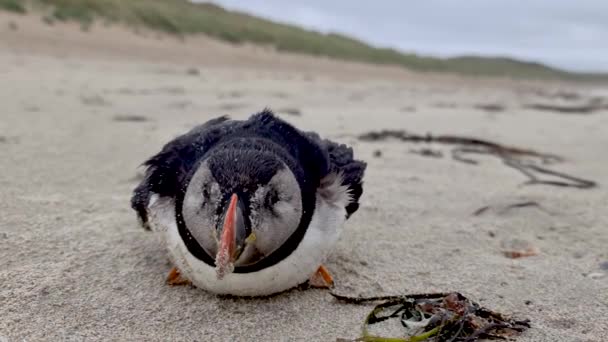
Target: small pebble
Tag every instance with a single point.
(517, 248)
(595, 275)
(129, 118)
(290, 111)
(193, 71)
(604, 266)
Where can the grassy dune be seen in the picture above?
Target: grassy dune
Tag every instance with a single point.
(13, 6)
(182, 17)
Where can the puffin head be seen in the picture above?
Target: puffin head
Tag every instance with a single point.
(241, 205)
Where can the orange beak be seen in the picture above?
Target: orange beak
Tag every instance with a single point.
(224, 260)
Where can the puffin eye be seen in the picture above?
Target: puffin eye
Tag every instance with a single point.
(272, 198)
(206, 193)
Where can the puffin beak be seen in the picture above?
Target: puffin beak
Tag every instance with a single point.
(232, 238)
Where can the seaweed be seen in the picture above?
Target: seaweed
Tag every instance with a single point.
(521, 159)
(589, 108)
(440, 317)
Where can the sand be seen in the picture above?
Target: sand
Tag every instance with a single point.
(81, 110)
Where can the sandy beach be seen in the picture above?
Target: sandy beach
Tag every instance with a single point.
(80, 111)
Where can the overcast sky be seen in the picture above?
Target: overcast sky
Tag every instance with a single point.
(571, 34)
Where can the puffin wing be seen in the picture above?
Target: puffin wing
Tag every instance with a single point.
(350, 170)
(166, 171)
(345, 174)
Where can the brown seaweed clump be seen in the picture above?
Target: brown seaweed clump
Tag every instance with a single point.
(440, 317)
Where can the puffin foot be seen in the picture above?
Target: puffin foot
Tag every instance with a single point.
(321, 279)
(174, 278)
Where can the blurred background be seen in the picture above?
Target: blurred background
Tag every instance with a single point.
(542, 38)
(561, 34)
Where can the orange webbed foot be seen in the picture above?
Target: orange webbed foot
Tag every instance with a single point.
(321, 278)
(174, 278)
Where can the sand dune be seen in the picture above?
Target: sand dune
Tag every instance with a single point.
(81, 110)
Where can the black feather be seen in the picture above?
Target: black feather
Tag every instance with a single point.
(309, 157)
(342, 161)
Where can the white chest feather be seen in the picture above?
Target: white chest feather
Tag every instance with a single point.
(319, 240)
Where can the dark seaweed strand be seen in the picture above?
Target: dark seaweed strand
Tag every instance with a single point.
(360, 300)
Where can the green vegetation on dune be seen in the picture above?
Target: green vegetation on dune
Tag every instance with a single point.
(182, 17)
(13, 6)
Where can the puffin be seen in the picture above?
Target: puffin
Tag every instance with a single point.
(249, 207)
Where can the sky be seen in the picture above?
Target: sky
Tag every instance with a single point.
(570, 34)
